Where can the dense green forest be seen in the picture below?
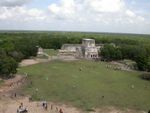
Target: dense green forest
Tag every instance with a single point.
(15, 46)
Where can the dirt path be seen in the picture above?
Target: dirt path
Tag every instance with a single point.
(28, 62)
(8, 105)
(12, 84)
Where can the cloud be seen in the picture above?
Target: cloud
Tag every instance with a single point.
(12, 3)
(98, 15)
(104, 5)
(130, 13)
(21, 14)
(106, 11)
(64, 10)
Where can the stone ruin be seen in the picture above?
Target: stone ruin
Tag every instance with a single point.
(40, 51)
(88, 49)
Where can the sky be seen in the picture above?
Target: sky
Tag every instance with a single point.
(121, 16)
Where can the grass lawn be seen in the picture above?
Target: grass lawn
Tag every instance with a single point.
(51, 52)
(87, 84)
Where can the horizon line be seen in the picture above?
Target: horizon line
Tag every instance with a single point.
(24, 30)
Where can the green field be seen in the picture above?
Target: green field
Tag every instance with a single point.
(51, 52)
(87, 84)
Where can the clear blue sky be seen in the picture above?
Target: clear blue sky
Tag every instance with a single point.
(126, 16)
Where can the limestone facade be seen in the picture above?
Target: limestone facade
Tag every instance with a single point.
(88, 49)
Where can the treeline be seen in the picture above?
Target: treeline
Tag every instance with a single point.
(15, 46)
(76, 37)
(138, 53)
(12, 51)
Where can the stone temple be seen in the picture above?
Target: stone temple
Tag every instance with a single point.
(88, 49)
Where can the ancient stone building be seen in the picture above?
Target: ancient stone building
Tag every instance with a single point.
(40, 51)
(87, 49)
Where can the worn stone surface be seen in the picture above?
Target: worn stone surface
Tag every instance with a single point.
(87, 49)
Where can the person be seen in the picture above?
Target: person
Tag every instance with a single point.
(56, 108)
(21, 109)
(51, 107)
(21, 104)
(44, 104)
(15, 95)
(30, 99)
(60, 111)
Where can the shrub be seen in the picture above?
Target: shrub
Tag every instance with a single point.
(146, 76)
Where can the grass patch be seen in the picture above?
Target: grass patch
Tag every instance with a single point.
(42, 57)
(87, 85)
(51, 52)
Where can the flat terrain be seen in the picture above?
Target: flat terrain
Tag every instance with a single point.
(1, 81)
(28, 62)
(8, 105)
(87, 84)
(51, 52)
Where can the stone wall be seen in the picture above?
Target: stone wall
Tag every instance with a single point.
(86, 50)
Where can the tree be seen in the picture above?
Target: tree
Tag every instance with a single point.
(148, 64)
(148, 67)
(118, 54)
(142, 62)
(8, 67)
(18, 56)
(26, 47)
(2, 53)
(8, 46)
(110, 52)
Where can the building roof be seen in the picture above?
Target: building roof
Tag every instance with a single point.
(88, 39)
(70, 45)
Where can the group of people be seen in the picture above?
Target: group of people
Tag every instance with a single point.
(22, 109)
(45, 106)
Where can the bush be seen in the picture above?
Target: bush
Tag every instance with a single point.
(8, 67)
(146, 76)
(110, 52)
